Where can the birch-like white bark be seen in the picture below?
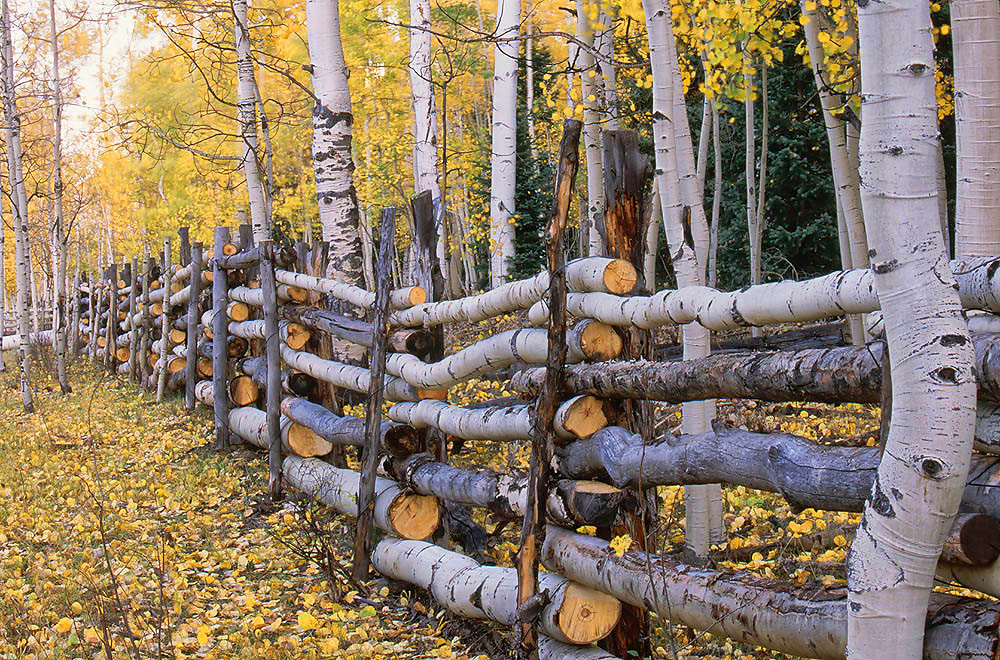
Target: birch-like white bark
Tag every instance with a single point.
(503, 151)
(592, 99)
(59, 308)
(19, 207)
(246, 107)
(976, 38)
(333, 161)
(890, 569)
(604, 40)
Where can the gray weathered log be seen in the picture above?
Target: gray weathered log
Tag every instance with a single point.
(398, 440)
(416, 341)
(220, 359)
(191, 328)
(806, 474)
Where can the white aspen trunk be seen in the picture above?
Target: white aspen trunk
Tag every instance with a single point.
(762, 172)
(577, 418)
(59, 308)
(574, 614)
(749, 171)
(36, 325)
(404, 514)
(246, 106)
(3, 277)
(700, 501)
(942, 194)
(529, 71)
(590, 274)
(976, 39)
(425, 125)
(652, 239)
(704, 139)
(845, 172)
(924, 467)
(332, 158)
(713, 238)
(503, 152)
(365, 224)
(592, 116)
(19, 208)
(605, 43)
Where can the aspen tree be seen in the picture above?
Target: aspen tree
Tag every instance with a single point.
(60, 311)
(246, 106)
(592, 114)
(920, 479)
(503, 151)
(331, 141)
(19, 207)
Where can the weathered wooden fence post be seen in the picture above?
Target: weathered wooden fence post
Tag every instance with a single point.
(272, 347)
(220, 333)
(373, 414)
(193, 317)
(161, 379)
(147, 269)
(626, 171)
(543, 436)
(110, 337)
(133, 338)
(184, 246)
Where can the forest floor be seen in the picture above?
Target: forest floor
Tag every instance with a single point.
(123, 535)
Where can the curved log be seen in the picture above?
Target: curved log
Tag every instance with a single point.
(590, 274)
(808, 621)
(395, 439)
(407, 515)
(574, 614)
(589, 340)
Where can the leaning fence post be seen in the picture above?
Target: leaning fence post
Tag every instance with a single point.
(543, 436)
(147, 269)
(110, 336)
(133, 338)
(161, 379)
(373, 415)
(220, 331)
(191, 366)
(272, 347)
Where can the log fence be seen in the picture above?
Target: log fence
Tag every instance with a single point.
(260, 369)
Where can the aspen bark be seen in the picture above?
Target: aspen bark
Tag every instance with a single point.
(976, 38)
(246, 107)
(592, 100)
(19, 209)
(503, 152)
(60, 311)
(332, 135)
(926, 460)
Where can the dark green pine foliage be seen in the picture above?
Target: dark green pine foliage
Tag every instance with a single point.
(533, 188)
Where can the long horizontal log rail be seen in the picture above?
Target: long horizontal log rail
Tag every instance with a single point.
(238, 329)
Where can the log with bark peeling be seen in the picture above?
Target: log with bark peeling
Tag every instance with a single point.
(407, 515)
(415, 341)
(292, 382)
(396, 439)
(808, 621)
(346, 376)
(806, 474)
(578, 417)
(573, 614)
(589, 340)
(569, 502)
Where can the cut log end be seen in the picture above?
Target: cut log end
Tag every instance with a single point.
(587, 615)
(414, 517)
(237, 311)
(178, 336)
(296, 336)
(582, 416)
(305, 442)
(297, 294)
(620, 277)
(205, 367)
(102, 342)
(417, 295)
(590, 502)
(438, 394)
(122, 354)
(600, 342)
(156, 309)
(400, 441)
(974, 540)
(176, 364)
(229, 249)
(242, 391)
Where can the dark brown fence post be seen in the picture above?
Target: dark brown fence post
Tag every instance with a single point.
(220, 332)
(193, 319)
(272, 346)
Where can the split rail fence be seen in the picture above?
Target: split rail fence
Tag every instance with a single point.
(248, 331)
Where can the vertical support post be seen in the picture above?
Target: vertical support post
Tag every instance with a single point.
(543, 436)
(147, 269)
(75, 316)
(220, 332)
(373, 414)
(184, 246)
(165, 347)
(133, 338)
(272, 346)
(95, 316)
(110, 336)
(191, 366)
(623, 229)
